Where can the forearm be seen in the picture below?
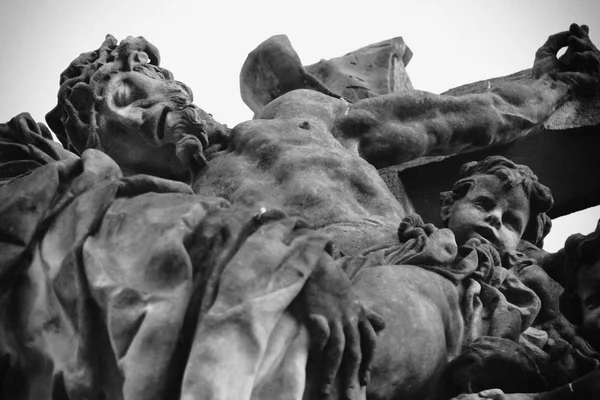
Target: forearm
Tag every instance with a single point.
(393, 129)
(498, 116)
(586, 387)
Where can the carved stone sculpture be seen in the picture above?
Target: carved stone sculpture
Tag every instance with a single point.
(182, 292)
(309, 151)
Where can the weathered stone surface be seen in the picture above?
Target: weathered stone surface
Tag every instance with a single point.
(420, 279)
(134, 287)
(563, 153)
(26, 145)
(274, 69)
(578, 112)
(370, 71)
(110, 280)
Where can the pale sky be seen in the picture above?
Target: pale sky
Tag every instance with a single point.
(205, 44)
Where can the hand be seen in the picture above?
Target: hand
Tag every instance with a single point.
(579, 66)
(582, 58)
(341, 328)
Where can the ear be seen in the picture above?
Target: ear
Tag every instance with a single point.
(81, 97)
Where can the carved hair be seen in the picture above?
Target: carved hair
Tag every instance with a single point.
(74, 117)
(511, 175)
(580, 250)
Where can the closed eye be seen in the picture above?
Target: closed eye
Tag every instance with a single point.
(127, 92)
(124, 96)
(484, 203)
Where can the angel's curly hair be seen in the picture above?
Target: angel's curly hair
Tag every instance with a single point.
(511, 175)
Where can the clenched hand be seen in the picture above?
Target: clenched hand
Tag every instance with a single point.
(579, 66)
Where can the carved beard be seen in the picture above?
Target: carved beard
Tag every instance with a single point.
(190, 139)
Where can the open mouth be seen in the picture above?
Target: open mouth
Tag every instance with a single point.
(160, 129)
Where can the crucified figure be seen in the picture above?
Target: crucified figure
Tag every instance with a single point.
(309, 151)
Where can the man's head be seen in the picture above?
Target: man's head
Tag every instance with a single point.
(580, 302)
(498, 201)
(119, 100)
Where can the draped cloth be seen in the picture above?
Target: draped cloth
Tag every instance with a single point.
(134, 288)
(26, 145)
(495, 302)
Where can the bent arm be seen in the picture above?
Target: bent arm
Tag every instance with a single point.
(397, 128)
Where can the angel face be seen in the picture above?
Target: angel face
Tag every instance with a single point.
(491, 212)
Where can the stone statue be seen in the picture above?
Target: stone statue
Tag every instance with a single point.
(135, 288)
(580, 304)
(445, 280)
(310, 152)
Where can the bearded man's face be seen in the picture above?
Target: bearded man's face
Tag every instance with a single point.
(149, 125)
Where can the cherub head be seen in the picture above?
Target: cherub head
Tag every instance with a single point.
(499, 202)
(119, 100)
(580, 302)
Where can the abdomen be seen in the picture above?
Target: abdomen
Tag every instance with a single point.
(424, 329)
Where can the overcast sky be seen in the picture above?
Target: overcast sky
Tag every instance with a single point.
(204, 43)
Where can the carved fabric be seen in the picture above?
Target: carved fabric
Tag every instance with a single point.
(495, 302)
(24, 146)
(120, 286)
(274, 69)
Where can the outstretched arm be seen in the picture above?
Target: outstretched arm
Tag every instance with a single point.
(396, 128)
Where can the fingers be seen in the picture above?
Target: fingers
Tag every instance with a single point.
(553, 45)
(580, 40)
(579, 44)
(579, 31)
(137, 184)
(495, 394)
(429, 229)
(376, 321)
(332, 359)
(368, 343)
(319, 331)
(352, 359)
(585, 61)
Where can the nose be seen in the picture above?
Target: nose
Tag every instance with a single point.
(494, 218)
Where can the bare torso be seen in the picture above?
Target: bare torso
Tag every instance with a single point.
(289, 159)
